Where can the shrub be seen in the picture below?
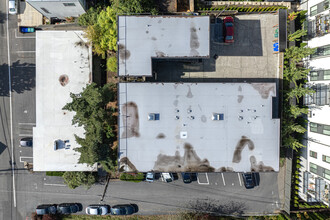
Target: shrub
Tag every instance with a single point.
(298, 166)
(75, 179)
(54, 173)
(112, 64)
(138, 177)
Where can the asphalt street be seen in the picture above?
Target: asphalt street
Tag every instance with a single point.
(21, 191)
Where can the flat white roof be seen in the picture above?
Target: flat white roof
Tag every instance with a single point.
(188, 136)
(63, 66)
(141, 38)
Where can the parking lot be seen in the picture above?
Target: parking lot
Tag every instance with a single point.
(251, 56)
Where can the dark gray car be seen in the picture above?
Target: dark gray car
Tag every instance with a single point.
(68, 208)
(46, 209)
(127, 209)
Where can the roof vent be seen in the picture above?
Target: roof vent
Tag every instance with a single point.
(217, 117)
(183, 135)
(153, 116)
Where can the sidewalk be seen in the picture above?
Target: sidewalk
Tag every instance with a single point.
(28, 16)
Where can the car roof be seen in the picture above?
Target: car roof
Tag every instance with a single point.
(11, 4)
(94, 210)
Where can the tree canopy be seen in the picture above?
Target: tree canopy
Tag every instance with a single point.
(99, 121)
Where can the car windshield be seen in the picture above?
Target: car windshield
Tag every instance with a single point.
(229, 24)
(229, 37)
(12, 9)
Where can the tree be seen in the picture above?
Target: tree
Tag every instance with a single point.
(103, 32)
(294, 75)
(98, 120)
(297, 35)
(75, 179)
(90, 17)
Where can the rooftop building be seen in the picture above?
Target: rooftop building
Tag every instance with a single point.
(63, 66)
(142, 38)
(198, 127)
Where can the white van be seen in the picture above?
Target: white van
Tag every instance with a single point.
(12, 7)
(167, 177)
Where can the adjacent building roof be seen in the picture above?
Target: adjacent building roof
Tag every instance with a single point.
(141, 38)
(198, 127)
(63, 66)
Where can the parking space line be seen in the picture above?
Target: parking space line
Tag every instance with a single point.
(27, 51)
(223, 179)
(20, 36)
(53, 184)
(20, 159)
(239, 178)
(207, 178)
(22, 135)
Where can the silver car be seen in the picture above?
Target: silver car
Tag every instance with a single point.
(98, 209)
(12, 7)
(26, 142)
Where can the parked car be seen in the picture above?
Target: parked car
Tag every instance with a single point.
(26, 142)
(167, 177)
(98, 209)
(127, 209)
(228, 24)
(250, 180)
(150, 177)
(186, 177)
(68, 208)
(12, 7)
(46, 209)
(24, 29)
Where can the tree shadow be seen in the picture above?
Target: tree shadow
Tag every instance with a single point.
(2, 17)
(22, 77)
(216, 207)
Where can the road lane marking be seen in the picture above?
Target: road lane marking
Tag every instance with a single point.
(22, 161)
(223, 179)
(27, 123)
(10, 109)
(239, 178)
(16, 36)
(53, 184)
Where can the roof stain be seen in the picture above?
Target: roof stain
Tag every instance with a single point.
(240, 98)
(63, 79)
(153, 38)
(126, 165)
(259, 167)
(189, 94)
(160, 54)
(123, 53)
(130, 120)
(240, 88)
(176, 102)
(203, 118)
(239, 148)
(225, 169)
(160, 136)
(264, 89)
(190, 162)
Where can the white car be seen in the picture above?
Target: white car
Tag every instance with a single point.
(167, 177)
(12, 7)
(98, 209)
